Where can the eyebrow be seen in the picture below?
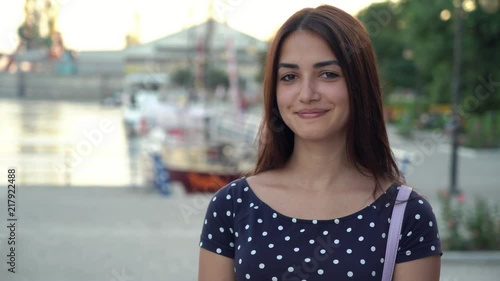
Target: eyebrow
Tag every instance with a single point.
(316, 65)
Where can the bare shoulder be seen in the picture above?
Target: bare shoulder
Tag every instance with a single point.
(267, 179)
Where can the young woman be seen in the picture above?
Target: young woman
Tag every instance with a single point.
(318, 206)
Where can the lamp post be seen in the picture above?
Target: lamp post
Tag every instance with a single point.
(455, 88)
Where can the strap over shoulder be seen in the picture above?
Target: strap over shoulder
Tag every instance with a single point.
(394, 231)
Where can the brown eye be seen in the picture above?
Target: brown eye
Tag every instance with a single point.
(329, 74)
(288, 77)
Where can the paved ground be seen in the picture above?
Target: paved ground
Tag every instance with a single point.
(125, 234)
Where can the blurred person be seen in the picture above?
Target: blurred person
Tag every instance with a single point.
(319, 202)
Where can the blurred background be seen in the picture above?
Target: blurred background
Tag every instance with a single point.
(122, 118)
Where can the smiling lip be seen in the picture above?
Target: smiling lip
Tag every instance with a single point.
(309, 114)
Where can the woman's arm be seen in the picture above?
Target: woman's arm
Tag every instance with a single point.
(427, 269)
(214, 267)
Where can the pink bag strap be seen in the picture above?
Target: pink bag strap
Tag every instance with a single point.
(394, 232)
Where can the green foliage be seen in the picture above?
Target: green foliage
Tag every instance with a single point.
(415, 28)
(382, 21)
(183, 78)
(476, 228)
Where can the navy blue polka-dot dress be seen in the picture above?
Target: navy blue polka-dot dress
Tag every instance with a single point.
(267, 245)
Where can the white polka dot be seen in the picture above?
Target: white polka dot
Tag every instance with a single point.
(240, 261)
(320, 271)
(287, 238)
(236, 234)
(417, 216)
(294, 220)
(264, 233)
(349, 251)
(247, 226)
(362, 261)
(280, 227)
(437, 235)
(307, 259)
(374, 273)
(218, 251)
(409, 234)
(360, 217)
(361, 238)
(325, 232)
(382, 260)
(253, 252)
(311, 241)
(275, 215)
(336, 241)
(231, 244)
(233, 184)
(433, 248)
(249, 239)
(389, 220)
(296, 250)
(350, 274)
(261, 266)
(387, 205)
(420, 201)
(206, 221)
(431, 224)
(337, 221)
(408, 252)
(201, 244)
(315, 222)
(372, 224)
(256, 207)
(349, 229)
(215, 214)
(271, 246)
(336, 261)
(302, 230)
(259, 221)
(290, 269)
(239, 200)
(373, 248)
(383, 235)
(279, 257)
(221, 230)
(209, 236)
(421, 239)
(247, 276)
(251, 205)
(239, 247)
(228, 196)
(228, 213)
(246, 188)
(323, 251)
(275, 279)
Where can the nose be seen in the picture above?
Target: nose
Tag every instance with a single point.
(308, 91)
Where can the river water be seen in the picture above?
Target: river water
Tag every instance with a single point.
(56, 143)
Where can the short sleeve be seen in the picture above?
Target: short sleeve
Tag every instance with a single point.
(419, 234)
(218, 227)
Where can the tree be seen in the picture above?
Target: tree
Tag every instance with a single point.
(384, 24)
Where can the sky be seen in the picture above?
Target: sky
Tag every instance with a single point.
(102, 24)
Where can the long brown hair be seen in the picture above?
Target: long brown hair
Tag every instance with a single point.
(367, 145)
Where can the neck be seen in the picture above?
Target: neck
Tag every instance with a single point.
(321, 165)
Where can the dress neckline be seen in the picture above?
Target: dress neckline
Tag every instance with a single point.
(373, 206)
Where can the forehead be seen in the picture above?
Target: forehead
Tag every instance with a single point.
(305, 46)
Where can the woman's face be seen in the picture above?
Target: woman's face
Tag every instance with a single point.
(311, 89)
